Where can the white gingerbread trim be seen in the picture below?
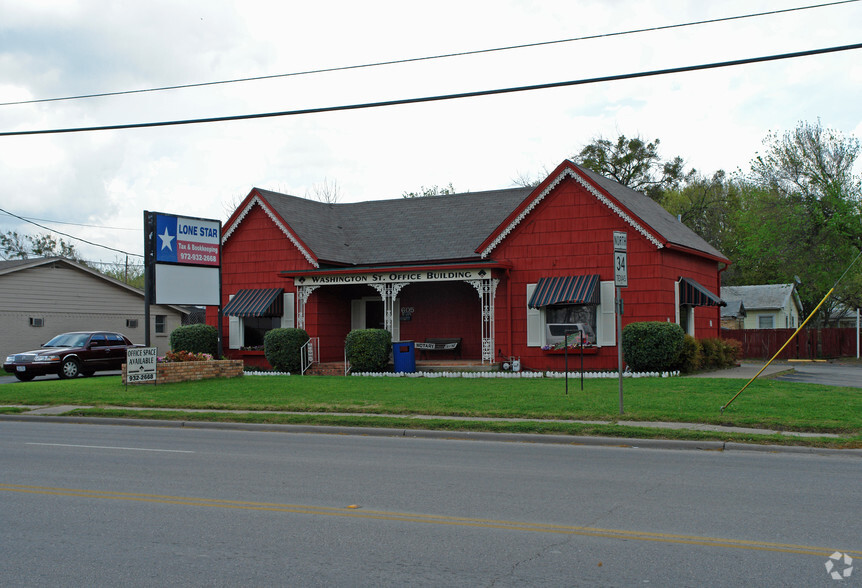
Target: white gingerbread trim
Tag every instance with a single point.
(257, 200)
(599, 196)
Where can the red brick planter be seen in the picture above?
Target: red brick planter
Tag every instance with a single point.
(184, 371)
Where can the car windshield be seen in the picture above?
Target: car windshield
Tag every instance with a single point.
(68, 340)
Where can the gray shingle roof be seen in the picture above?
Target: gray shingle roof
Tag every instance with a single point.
(12, 263)
(733, 309)
(652, 213)
(440, 228)
(407, 230)
(760, 297)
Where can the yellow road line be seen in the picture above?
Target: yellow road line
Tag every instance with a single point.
(353, 512)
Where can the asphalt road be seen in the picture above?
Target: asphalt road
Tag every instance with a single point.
(136, 506)
(6, 378)
(825, 373)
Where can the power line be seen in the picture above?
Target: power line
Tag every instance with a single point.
(56, 222)
(70, 236)
(428, 57)
(424, 99)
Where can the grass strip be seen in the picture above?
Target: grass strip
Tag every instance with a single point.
(783, 406)
(522, 427)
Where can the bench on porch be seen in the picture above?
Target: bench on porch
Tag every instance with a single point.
(452, 344)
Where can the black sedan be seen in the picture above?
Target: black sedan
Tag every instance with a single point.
(71, 354)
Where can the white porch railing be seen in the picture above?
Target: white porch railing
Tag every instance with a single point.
(309, 353)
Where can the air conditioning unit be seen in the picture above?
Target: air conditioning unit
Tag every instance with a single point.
(513, 364)
(556, 333)
(37, 322)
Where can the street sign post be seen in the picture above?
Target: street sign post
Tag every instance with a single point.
(621, 280)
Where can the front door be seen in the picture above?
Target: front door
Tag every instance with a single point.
(367, 313)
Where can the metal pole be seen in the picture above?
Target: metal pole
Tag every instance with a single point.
(566, 364)
(619, 312)
(148, 273)
(582, 361)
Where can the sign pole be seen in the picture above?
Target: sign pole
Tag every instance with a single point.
(149, 229)
(621, 280)
(619, 313)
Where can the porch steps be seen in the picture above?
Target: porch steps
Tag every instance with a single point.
(336, 368)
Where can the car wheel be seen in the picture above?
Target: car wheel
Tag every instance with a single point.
(70, 369)
(24, 377)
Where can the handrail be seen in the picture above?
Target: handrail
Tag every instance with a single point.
(347, 367)
(308, 353)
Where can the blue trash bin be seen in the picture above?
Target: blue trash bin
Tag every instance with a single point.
(404, 356)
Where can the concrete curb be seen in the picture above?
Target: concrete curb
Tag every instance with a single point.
(621, 442)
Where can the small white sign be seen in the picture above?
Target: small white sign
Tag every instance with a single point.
(621, 270)
(141, 364)
(620, 240)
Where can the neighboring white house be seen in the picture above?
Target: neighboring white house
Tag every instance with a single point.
(43, 297)
(768, 306)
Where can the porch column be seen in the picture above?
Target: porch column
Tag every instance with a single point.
(302, 294)
(388, 292)
(487, 288)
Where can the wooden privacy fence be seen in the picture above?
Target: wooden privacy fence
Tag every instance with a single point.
(808, 344)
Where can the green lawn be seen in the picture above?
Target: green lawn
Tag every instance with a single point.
(766, 403)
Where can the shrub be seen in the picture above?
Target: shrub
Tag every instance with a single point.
(186, 356)
(282, 348)
(690, 355)
(720, 353)
(652, 346)
(368, 349)
(733, 349)
(708, 354)
(195, 339)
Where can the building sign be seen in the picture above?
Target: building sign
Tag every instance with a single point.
(621, 270)
(183, 259)
(187, 241)
(141, 364)
(383, 277)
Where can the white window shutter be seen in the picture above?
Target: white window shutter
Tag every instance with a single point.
(534, 321)
(288, 319)
(607, 335)
(234, 330)
(676, 302)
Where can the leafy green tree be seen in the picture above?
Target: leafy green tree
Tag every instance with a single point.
(128, 273)
(20, 246)
(635, 163)
(800, 215)
(706, 205)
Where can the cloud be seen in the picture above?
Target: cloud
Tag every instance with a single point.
(715, 119)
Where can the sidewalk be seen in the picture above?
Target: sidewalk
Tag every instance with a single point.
(58, 411)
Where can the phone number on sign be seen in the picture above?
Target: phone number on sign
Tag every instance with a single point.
(141, 377)
(198, 257)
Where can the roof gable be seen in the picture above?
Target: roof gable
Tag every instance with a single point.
(15, 265)
(258, 197)
(642, 213)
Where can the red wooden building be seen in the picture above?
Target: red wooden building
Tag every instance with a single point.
(504, 271)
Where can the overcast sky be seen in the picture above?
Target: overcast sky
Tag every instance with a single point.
(714, 119)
